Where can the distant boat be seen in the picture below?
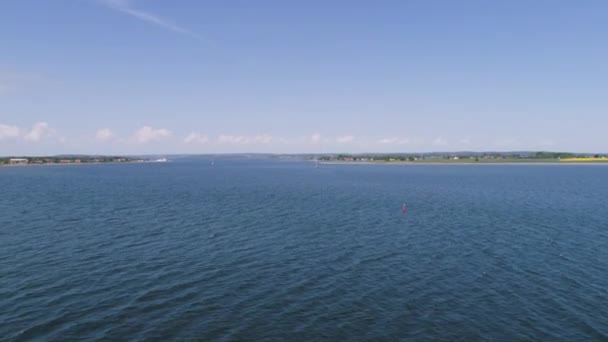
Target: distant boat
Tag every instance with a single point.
(212, 162)
(161, 160)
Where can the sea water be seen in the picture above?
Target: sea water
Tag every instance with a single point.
(273, 250)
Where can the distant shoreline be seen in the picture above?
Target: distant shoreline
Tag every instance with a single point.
(66, 164)
(402, 163)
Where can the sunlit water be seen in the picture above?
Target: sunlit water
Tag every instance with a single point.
(281, 250)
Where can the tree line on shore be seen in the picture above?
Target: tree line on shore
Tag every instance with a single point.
(477, 156)
(64, 160)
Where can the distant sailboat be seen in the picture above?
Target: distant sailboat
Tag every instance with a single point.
(212, 162)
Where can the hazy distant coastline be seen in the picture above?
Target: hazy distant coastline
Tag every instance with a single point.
(398, 163)
(69, 160)
(468, 158)
(428, 158)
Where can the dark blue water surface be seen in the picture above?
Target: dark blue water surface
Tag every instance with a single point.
(282, 251)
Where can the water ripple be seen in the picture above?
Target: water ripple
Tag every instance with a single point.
(267, 250)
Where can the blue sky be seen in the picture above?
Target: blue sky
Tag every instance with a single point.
(189, 76)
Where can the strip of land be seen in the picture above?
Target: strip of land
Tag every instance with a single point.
(67, 160)
(466, 158)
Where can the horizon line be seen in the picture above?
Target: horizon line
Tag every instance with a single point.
(294, 153)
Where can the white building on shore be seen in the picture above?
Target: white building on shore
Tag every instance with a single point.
(18, 161)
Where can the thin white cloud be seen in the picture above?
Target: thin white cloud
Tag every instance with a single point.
(263, 139)
(316, 138)
(440, 141)
(104, 134)
(126, 6)
(196, 138)
(7, 131)
(148, 134)
(39, 131)
(231, 139)
(394, 141)
(345, 139)
(244, 140)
